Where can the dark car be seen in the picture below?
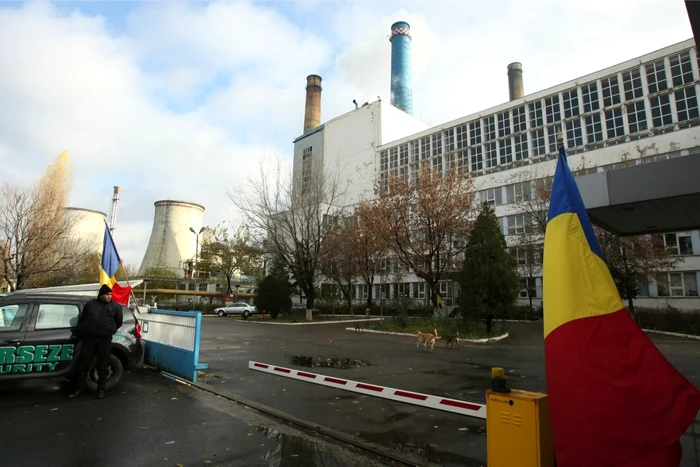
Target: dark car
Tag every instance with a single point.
(36, 339)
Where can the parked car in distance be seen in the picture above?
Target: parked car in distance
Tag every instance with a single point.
(237, 308)
(36, 339)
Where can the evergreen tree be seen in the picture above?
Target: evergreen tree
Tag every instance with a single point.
(489, 280)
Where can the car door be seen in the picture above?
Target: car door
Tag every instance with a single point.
(48, 343)
(14, 321)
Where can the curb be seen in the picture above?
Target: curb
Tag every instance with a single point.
(677, 334)
(309, 323)
(475, 341)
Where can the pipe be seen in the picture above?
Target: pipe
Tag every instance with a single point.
(401, 91)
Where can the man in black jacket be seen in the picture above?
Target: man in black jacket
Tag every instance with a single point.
(100, 319)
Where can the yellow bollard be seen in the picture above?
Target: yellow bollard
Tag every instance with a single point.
(517, 426)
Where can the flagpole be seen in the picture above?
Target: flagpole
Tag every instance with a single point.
(131, 289)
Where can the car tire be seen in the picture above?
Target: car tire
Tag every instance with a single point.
(221, 313)
(115, 374)
(246, 314)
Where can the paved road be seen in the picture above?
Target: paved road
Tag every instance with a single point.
(444, 438)
(148, 421)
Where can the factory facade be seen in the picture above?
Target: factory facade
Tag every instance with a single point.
(637, 112)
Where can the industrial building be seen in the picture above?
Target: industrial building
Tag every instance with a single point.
(641, 111)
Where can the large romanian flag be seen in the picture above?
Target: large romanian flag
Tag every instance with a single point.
(614, 399)
(108, 269)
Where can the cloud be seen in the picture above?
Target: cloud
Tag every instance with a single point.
(180, 100)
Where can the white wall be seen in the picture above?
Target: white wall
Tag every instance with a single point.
(397, 124)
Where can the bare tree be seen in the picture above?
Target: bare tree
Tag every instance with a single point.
(293, 216)
(368, 247)
(425, 222)
(340, 264)
(229, 253)
(40, 246)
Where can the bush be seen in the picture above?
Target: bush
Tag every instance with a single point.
(670, 320)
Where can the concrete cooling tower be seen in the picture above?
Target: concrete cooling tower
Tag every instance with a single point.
(172, 243)
(88, 225)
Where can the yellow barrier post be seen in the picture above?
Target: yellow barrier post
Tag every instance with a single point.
(517, 426)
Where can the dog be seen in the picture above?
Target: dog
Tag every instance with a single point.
(359, 326)
(450, 340)
(426, 339)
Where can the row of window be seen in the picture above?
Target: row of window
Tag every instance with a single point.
(530, 130)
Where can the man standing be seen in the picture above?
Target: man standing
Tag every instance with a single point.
(100, 319)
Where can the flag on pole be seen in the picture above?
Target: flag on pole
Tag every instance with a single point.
(614, 399)
(108, 269)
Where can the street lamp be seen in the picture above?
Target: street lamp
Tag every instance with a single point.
(194, 270)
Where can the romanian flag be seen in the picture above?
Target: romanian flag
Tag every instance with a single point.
(614, 399)
(108, 269)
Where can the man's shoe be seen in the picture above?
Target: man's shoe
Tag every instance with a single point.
(75, 394)
(101, 394)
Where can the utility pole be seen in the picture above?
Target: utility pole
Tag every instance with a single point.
(194, 269)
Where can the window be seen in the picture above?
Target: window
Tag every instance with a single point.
(449, 137)
(632, 80)
(393, 158)
(614, 123)
(517, 192)
(202, 287)
(521, 146)
(611, 91)
(491, 155)
(574, 134)
(403, 154)
(425, 147)
(477, 159)
(656, 76)
(504, 124)
(462, 160)
(306, 156)
(516, 224)
(571, 108)
(418, 290)
(475, 133)
(594, 128)
(492, 196)
(528, 287)
(678, 243)
(384, 161)
(461, 136)
(636, 117)
(363, 291)
(437, 144)
(538, 146)
(57, 316)
(12, 316)
(552, 132)
(519, 119)
(552, 109)
(661, 111)
(437, 163)
(681, 71)
(677, 284)
(403, 290)
(590, 97)
(506, 147)
(451, 160)
(489, 128)
(686, 104)
(536, 118)
(415, 150)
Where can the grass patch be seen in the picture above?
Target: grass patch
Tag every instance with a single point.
(444, 326)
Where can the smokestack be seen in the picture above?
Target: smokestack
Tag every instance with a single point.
(515, 80)
(312, 114)
(115, 203)
(401, 92)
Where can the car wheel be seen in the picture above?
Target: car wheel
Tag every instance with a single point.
(221, 313)
(116, 371)
(246, 314)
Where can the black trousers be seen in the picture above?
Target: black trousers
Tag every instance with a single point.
(91, 347)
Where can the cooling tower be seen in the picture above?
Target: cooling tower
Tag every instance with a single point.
(401, 92)
(515, 81)
(172, 243)
(88, 225)
(312, 111)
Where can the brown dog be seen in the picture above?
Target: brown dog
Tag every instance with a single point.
(451, 340)
(426, 339)
(359, 326)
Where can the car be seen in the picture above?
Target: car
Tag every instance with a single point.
(237, 308)
(36, 339)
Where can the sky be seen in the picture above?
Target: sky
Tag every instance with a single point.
(183, 100)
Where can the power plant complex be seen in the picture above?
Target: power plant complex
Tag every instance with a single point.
(638, 116)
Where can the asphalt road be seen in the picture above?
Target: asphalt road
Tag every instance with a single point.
(149, 420)
(228, 344)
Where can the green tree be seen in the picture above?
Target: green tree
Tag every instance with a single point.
(228, 253)
(274, 291)
(489, 280)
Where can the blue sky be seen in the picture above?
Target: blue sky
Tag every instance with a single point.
(182, 100)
